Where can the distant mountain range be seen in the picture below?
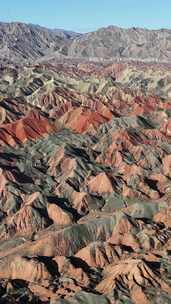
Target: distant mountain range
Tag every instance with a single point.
(26, 42)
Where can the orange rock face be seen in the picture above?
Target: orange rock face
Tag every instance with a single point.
(100, 184)
(104, 254)
(23, 268)
(81, 120)
(164, 216)
(134, 274)
(58, 216)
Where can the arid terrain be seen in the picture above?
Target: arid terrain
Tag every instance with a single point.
(20, 42)
(85, 171)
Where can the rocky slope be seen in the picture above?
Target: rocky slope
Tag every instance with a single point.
(85, 183)
(27, 42)
(24, 42)
(115, 42)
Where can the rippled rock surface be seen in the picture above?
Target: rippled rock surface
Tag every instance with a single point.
(85, 183)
